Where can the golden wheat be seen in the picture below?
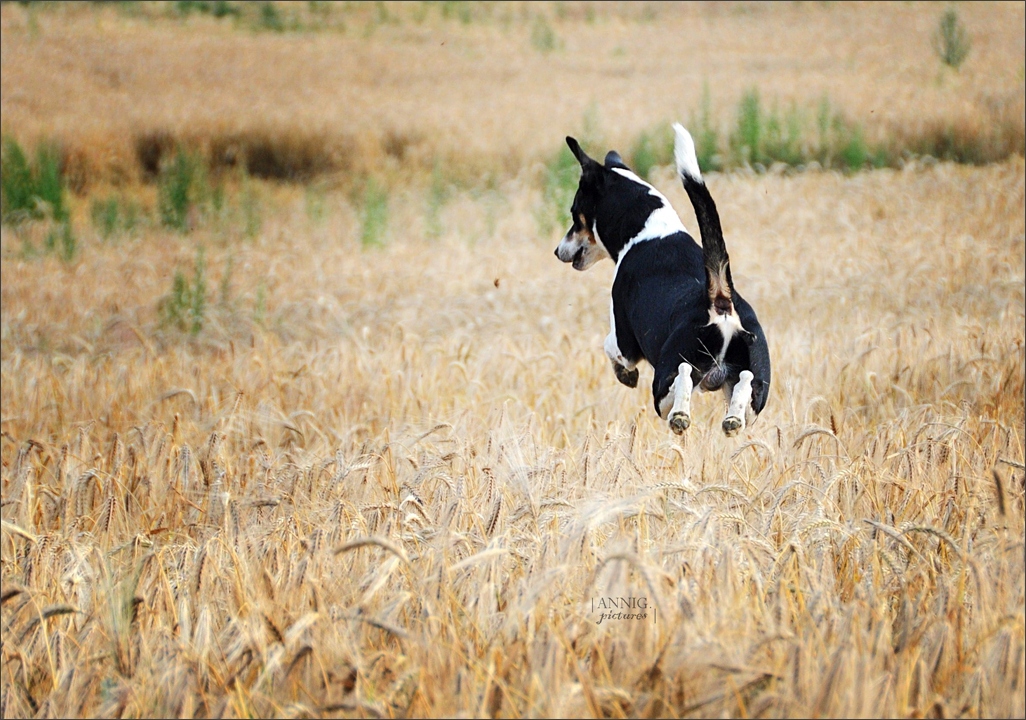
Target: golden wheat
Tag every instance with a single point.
(403, 493)
(399, 480)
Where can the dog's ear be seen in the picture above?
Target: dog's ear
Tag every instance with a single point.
(582, 157)
(613, 159)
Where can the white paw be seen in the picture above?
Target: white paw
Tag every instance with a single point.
(732, 424)
(679, 422)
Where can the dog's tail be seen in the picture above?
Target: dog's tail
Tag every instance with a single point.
(717, 263)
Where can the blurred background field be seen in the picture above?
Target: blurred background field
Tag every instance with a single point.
(300, 415)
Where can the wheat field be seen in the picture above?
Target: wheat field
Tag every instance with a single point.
(401, 479)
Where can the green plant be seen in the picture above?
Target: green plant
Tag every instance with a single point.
(252, 218)
(105, 216)
(459, 10)
(114, 215)
(559, 184)
(561, 173)
(185, 7)
(374, 215)
(60, 239)
(951, 40)
(783, 137)
(543, 37)
(218, 8)
(650, 150)
(176, 191)
(31, 190)
(185, 306)
(223, 8)
(823, 122)
(49, 183)
(315, 206)
(270, 17)
(844, 145)
(437, 196)
(854, 154)
(16, 181)
(747, 139)
(706, 138)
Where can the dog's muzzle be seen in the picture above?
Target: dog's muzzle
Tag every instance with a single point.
(575, 258)
(578, 251)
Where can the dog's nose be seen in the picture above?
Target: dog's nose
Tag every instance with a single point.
(556, 252)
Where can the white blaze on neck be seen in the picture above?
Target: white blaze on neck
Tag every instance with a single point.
(661, 222)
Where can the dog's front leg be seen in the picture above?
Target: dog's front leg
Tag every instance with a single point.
(679, 416)
(626, 371)
(740, 398)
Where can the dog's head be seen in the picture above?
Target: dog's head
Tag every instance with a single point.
(582, 245)
(614, 200)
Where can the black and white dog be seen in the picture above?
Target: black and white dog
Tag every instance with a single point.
(673, 302)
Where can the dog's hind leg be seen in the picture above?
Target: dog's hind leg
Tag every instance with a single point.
(679, 415)
(740, 398)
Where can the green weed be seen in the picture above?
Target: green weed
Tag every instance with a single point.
(706, 137)
(31, 190)
(176, 191)
(218, 9)
(249, 204)
(49, 183)
(760, 138)
(437, 195)
(559, 185)
(223, 8)
(746, 142)
(651, 149)
(951, 40)
(561, 174)
(113, 216)
(185, 306)
(270, 18)
(854, 154)
(374, 215)
(543, 37)
(459, 10)
(16, 181)
(782, 139)
(60, 239)
(105, 216)
(314, 203)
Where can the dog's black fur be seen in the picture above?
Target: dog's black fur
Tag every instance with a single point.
(673, 301)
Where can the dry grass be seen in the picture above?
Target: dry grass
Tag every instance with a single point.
(392, 482)
(368, 99)
(402, 493)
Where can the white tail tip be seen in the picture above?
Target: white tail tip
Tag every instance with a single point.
(684, 153)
